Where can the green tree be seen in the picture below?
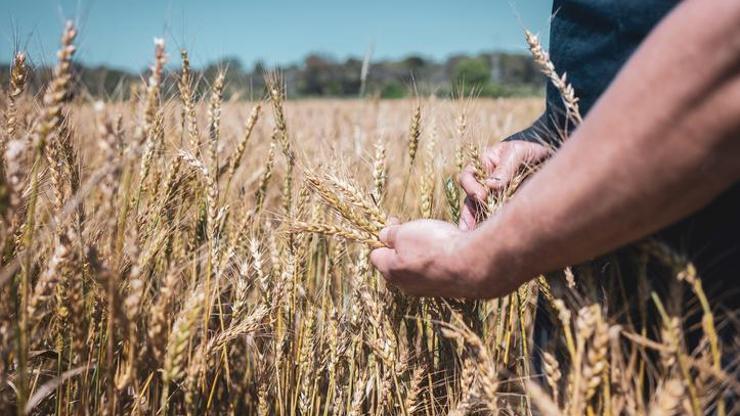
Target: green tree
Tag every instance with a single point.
(393, 89)
(472, 72)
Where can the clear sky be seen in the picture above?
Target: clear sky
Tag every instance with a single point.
(120, 32)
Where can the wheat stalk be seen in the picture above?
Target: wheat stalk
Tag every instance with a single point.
(380, 173)
(17, 84)
(236, 157)
(542, 59)
(185, 87)
(330, 230)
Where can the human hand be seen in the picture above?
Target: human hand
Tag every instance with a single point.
(501, 162)
(424, 258)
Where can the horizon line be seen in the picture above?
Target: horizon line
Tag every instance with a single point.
(6, 61)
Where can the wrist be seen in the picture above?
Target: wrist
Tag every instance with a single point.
(491, 260)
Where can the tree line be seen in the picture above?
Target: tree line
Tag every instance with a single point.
(495, 74)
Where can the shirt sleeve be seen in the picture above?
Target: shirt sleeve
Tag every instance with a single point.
(544, 131)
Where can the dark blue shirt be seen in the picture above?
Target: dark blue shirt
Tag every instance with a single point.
(590, 40)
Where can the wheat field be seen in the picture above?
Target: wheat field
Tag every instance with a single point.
(178, 254)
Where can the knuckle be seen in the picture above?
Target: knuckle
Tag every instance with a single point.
(497, 147)
(399, 266)
(503, 147)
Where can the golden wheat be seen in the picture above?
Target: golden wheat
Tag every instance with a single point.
(162, 278)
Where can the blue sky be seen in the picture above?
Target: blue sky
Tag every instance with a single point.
(120, 32)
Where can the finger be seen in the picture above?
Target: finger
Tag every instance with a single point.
(383, 259)
(492, 156)
(468, 214)
(471, 185)
(497, 183)
(504, 172)
(388, 235)
(500, 179)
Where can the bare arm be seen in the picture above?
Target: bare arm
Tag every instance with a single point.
(661, 143)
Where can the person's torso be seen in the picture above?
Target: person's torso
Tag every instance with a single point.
(590, 40)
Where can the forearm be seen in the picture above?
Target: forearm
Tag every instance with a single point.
(662, 142)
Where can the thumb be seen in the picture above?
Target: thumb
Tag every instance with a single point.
(388, 235)
(383, 259)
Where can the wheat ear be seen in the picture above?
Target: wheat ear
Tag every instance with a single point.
(542, 59)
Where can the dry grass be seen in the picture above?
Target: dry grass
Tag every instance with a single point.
(149, 268)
